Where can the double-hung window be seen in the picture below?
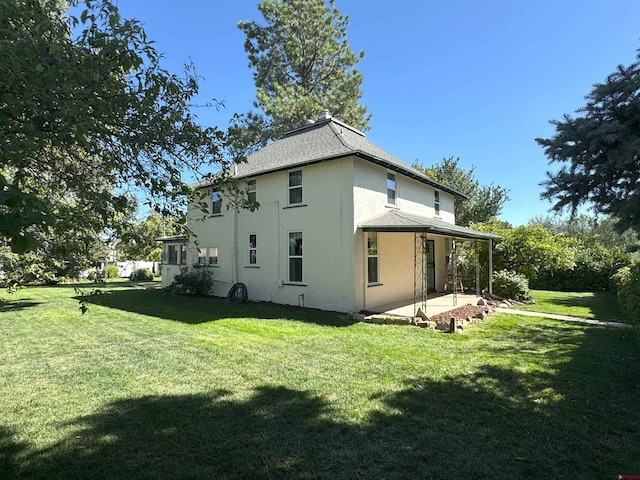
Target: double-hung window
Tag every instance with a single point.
(295, 187)
(253, 249)
(202, 256)
(391, 189)
(372, 259)
(183, 255)
(251, 192)
(216, 203)
(208, 256)
(172, 254)
(213, 255)
(295, 257)
(436, 203)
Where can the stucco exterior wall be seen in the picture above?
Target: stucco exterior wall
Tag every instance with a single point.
(325, 220)
(370, 194)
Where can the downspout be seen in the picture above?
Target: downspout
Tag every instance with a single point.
(234, 249)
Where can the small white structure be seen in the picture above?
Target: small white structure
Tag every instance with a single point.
(341, 225)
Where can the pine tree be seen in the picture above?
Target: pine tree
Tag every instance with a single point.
(302, 64)
(599, 151)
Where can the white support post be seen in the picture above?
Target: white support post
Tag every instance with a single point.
(490, 266)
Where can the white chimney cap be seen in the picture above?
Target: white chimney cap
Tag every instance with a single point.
(324, 115)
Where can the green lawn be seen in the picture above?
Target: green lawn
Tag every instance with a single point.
(598, 305)
(149, 385)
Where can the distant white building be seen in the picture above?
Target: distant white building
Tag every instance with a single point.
(342, 225)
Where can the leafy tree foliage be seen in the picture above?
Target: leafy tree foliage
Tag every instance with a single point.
(302, 64)
(483, 202)
(589, 230)
(87, 110)
(138, 241)
(526, 250)
(599, 151)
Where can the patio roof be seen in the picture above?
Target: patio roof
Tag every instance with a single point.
(399, 221)
(171, 238)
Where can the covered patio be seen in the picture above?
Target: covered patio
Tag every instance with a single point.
(436, 303)
(430, 294)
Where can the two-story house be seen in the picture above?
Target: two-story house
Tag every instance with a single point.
(341, 225)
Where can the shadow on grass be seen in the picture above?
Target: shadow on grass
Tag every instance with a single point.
(579, 422)
(195, 310)
(603, 305)
(15, 305)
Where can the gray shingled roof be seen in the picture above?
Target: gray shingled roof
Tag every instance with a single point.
(320, 141)
(399, 221)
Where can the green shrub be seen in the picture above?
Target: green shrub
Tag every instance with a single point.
(627, 280)
(592, 271)
(111, 271)
(197, 281)
(141, 275)
(509, 284)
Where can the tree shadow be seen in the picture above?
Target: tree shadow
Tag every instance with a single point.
(602, 305)
(196, 310)
(578, 419)
(16, 305)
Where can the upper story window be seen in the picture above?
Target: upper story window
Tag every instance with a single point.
(391, 189)
(216, 203)
(251, 192)
(436, 203)
(295, 187)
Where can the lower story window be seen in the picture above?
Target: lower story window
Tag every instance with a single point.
(172, 254)
(208, 256)
(295, 257)
(372, 258)
(213, 255)
(253, 249)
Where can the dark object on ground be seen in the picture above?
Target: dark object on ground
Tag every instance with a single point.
(237, 294)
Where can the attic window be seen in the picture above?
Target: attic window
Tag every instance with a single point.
(436, 203)
(391, 189)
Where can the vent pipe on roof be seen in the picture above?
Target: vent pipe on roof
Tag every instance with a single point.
(324, 115)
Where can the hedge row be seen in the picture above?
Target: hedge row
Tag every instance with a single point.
(627, 284)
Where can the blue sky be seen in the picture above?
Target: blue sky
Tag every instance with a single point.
(474, 79)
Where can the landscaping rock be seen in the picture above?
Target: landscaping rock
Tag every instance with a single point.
(482, 301)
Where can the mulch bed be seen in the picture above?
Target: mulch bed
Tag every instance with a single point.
(458, 313)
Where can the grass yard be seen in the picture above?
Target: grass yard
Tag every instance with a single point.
(597, 305)
(148, 385)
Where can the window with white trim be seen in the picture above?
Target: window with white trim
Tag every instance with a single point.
(212, 253)
(251, 192)
(172, 254)
(373, 276)
(295, 187)
(208, 256)
(216, 203)
(183, 255)
(202, 256)
(436, 203)
(391, 189)
(295, 257)
(253, 249)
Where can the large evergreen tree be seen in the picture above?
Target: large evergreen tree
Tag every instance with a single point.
(86, 111)
(599, 151)
(483, 202)
(302, 64)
